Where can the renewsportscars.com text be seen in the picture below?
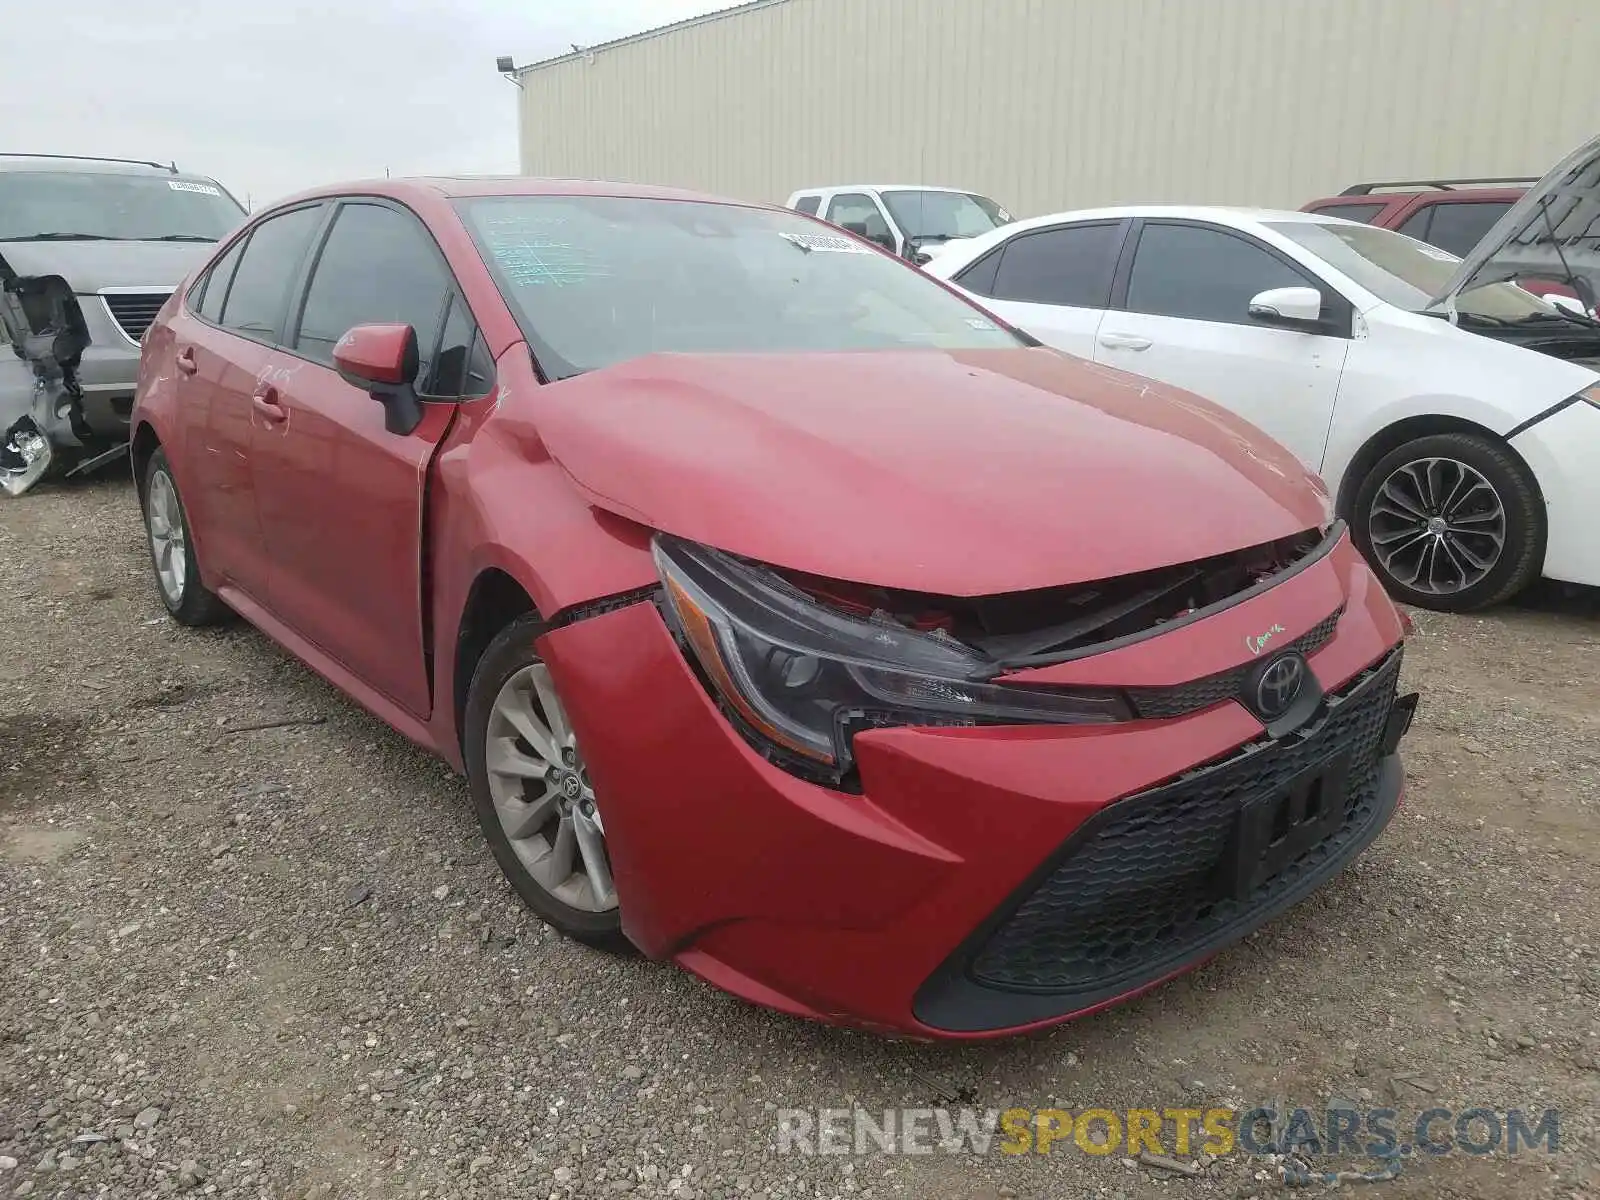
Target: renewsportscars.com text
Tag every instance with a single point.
(1378, 1132)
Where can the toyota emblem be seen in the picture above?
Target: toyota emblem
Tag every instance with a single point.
(1279, 685)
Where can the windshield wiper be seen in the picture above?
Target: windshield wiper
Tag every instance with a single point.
(179, 237)
(1564, 315)
(61, 237)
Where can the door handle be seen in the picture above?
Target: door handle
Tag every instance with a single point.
(186, 362)
(1124, 341)
(265, 402)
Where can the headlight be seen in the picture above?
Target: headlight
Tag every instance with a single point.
(806, 678)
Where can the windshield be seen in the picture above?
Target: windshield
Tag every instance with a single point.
(109, 206)
(597, 280)
(925, 215)
(1405, 272)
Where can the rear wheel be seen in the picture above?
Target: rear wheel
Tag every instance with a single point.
(172, 549)
(531, 789)
(1451, 522)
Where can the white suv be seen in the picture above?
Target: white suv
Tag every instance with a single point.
(1455, 417)
(918, 223)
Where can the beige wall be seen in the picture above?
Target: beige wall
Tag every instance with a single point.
(1052, 104)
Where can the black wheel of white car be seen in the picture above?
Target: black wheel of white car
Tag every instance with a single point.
(1451, 522)
(172, 549)
(530, 787)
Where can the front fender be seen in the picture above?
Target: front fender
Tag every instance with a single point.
(504, 506)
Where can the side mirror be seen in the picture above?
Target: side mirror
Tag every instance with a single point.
(1291, 307)
(382, 361)
(1568, 303)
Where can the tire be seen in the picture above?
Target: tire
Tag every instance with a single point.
(528, 818)
(188, 599)
(1466, 475)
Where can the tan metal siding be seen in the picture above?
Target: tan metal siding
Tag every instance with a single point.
(1050, 104)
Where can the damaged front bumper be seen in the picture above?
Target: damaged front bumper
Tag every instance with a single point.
(33, 416)
(42, 422)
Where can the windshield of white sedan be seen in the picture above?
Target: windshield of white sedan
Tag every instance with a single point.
(937, 216)
(597, 280)
(1407, 273)
(104, 206)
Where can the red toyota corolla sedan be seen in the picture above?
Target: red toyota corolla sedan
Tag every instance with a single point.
(791, 618)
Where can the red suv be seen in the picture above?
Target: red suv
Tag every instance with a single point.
(792, 618)
(1452, 214)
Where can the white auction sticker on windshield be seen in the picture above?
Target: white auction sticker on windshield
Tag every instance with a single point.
(824, 243)
(183, 185)
(1436, 253)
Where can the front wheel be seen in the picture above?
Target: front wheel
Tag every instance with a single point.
(1451, 522)
(530, 787)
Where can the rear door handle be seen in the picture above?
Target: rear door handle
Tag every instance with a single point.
(186, 362)
(265, 402)
(1124, 341)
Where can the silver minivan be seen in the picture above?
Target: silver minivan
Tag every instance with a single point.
(90, 249)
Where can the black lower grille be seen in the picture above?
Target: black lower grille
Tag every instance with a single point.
(1189, 697)
(134, 311)
(1151, 878)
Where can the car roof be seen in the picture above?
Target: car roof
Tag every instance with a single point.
(86, 165)
(1452, 195)
(462, 186)
(1225, 214)
(879, 187)
(1249, 219)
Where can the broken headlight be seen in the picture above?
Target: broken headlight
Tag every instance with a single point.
(805, 678)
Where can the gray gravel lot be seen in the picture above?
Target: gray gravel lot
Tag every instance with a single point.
(280, 963)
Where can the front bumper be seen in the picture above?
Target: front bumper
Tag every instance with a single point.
(108, 371)
(1564, 452)
(1158, 881)
(986, 880)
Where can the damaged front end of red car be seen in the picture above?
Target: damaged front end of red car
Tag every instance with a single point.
(950, 812)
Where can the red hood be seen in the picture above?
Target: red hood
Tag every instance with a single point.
(960, 474)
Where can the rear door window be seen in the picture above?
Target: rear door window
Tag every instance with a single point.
(808, 205)
(1072, 265)
(980, 276)
(259, 296)
(213, 289)
(1351, 212)
(1460, 225)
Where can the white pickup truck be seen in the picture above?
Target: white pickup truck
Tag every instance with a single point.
(915, 222)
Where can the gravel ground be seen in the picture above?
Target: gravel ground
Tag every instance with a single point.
(280, 963)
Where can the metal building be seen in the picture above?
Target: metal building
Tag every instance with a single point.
(1051, 104)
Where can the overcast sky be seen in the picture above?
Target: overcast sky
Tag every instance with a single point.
(273, 96)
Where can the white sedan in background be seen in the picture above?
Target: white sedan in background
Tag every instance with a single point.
(1465, 453)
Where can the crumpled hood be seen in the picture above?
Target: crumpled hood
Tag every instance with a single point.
(89, 266)
(961, 474)
(1556, 219)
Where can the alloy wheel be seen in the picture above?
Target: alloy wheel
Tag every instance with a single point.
(1437, 526)
(168, 545)
(541, 791)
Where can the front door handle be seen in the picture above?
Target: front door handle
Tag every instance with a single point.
(265, 402)
(186, 362)
(1124, 341)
